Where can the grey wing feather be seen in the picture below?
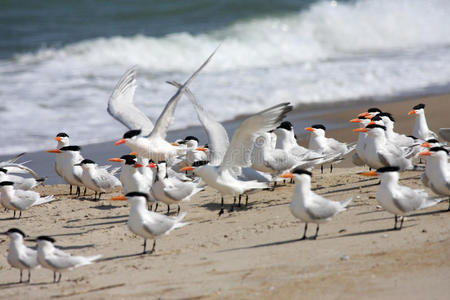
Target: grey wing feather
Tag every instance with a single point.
(121, 105)
(158, 226)
(218, 140)
(166, 117)
(321, 208)
(179, 192)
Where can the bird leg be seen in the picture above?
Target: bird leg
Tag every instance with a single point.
(99, 195)
(84, 193)
(401, 222)
(304, 233)
(156, 206)
(20, 214)
(54, 277)
(239, 203)
(221, 207)
(234, 202)
(395, 224)
(29, 275)
(20, 276)
(154, 245)
(150, 207)
(178, 212)
(70, 190)
(321, 169)
(317, 232)
(59, 278)
(145, 245)
(78, 191)
(448, 204)
(14, 214)
(168, 209)
(246, 200)
(331, 168)
(95, 195)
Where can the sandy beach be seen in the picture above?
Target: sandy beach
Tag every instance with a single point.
(253, 252)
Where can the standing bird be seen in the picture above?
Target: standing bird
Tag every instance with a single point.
(57, 260)
(327, 146)
(420, 129)
(380, 153)
(70, 171)
(18, 199)
(358, 158)
(310, 207)
(63, 141)
(437, 171)
(399, 199)
(132, 180)
(20, 256)
(97, 179)
(148, 224)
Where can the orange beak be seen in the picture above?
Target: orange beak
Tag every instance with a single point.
(138, 166)
(133, 153)
(309, 129)
(174, 144)
(58, 138)
(425, 153)
(412, 112)
(355, 121)
(121, 197)
(54, 151)
(372, 123)
(121, 141)
(115, 159)
(287, 175)
(363, 114)
(151, 165)
(426, 144)
(201, 149)
(189, 168)
(369, 116)
(360, 130)
(371, 173)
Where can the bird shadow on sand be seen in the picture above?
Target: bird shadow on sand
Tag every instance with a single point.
(123, 256)
(264, 245)
(97, 224)
(6, 285)
(105, 207)
(429, 213)
(75, 247)
(351, 188)
(367, 232)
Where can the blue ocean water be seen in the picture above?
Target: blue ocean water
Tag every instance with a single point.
(59, 60)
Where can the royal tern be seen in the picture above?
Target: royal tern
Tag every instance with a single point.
(380, 153)
(371, 112)
(20, 256)
(310, 207)
(399, 199)
(327, 146)
(148, 224)
(63, 141)
(358, 158)
(132, 180)
(98, 179)
(57, 260)
(18, 199)
(437, 171)
(20, 183)
(238, 155)
(420, 129)
(398, 139)
(154, 146)
(70, 172)
(121, 105)
(193, 151)
(171, 190)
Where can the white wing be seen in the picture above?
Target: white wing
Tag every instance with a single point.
(166, 117)
(121, 105)
(218, 140)
(240, 150)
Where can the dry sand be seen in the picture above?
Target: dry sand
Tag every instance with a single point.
(253, 252)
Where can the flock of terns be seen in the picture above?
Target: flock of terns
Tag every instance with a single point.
(263, 149)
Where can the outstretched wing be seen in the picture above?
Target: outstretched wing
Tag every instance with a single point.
(166, 117)
(121, 105)
(240, 150)
(218, 141)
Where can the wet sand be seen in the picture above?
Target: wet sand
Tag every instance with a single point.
(253, 252)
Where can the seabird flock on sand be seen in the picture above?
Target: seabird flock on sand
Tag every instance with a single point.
(261, 151)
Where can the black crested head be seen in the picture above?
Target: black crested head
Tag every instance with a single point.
(3, 170)
(62, 134)
(376, 118)
(205, 146)
(128, 156)
(319, 126)
(162, 162)
(191, 138)
(371, 126)
(87, 161)
(419, 106)
(433, 141)
(413, 137)
(16, 230)
(6, 183)
(181, 142)
(131, 133)
(129, 159)
(362, 117)
(45, 238)
(388, 169)
(137, 194)
(302, 171)
(286, 125)
(374, 110)
(436, 149)
(388, 115)
(199, 163)
(70, 148)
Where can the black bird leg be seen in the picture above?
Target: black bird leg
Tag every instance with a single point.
(78, 194)
(145, 245)
(29, 275)
(84, 193)
(331, 168)
(304, 233)
(154, 245)
(246, 200)
(234, 202)
(317, 232)
(321, 169)
(95, 195)
(221, 207)
(239, 203)
(20, 214)
(168, 209)
(20, 276)
(70, 190)
(401, 222)
(178, 212)
(59, 278)
(156, 206)
(395, 224)
(54, 277)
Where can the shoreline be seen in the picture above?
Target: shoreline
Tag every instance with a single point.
(334, 118)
